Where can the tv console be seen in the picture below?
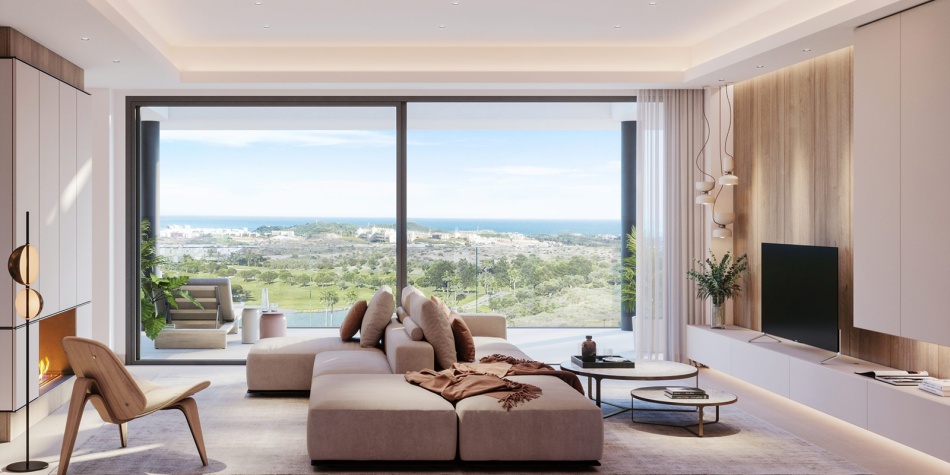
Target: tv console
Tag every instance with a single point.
(901, 413)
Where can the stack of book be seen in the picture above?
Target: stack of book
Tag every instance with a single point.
(685, 392)
(940, 387)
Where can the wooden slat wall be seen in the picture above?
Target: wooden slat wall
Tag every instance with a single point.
(14, 44)
(794, 162)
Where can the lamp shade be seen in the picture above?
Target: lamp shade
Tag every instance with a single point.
(705, 199)
(724, 218)
(729, 180)
(705, 185)
(24, 264)
(722, 232)
(35, 301)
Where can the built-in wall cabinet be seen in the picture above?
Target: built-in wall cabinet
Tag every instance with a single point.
(45, 168)
(901, 225)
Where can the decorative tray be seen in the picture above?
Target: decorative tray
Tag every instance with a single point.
(603, 362)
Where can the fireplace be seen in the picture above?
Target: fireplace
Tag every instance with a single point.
(53, 367)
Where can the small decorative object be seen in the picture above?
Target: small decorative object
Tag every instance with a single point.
(265, 301)
(589, 349)
(24, 266)
(719, 281)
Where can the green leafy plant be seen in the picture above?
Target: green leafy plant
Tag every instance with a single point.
(156, 290)
(628, 274)
(719, 280)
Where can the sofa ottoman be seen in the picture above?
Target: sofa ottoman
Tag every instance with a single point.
(350, 362)
(286, 363)
(378, 417)
(560, 425)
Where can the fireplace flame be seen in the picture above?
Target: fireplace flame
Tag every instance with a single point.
(44, 367)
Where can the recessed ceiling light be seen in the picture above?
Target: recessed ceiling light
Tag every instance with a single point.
(116, 61)
(266, 26)
(807, 50)
(85, 38)
(442, 26)
(721, 80)
(258, 3)
(455, 3)
(759, 66)
(617, 26)
(652, 3)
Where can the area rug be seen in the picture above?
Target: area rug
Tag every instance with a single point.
(267, 435)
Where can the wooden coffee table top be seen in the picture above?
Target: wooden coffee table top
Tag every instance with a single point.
(656, 394)
(645, 370)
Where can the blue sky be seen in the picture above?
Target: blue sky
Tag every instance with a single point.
(534, 174)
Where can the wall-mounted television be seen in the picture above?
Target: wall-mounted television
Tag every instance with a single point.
(800, 294)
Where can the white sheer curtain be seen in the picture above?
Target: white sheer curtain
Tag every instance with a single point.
(669, 225)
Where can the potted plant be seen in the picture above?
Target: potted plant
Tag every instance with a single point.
(719, 281)
(628, 274)
(157, 292)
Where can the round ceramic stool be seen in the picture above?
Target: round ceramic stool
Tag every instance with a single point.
(250, 325)
(273, 324)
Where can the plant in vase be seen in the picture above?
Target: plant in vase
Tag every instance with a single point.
(157, 292)
(719, 281)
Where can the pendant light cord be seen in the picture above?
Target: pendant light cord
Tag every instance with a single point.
(705, 141)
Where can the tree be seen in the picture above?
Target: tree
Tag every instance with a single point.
(628, 274)
(302, 280)
(249, 274)
(350, 295)
(228, 272)
(286, 277)
(330, 298)
(268, 277)
(239, 294)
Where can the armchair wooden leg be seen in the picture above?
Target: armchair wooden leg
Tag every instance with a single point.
(190, 409)
(77, 402)
(124, 434)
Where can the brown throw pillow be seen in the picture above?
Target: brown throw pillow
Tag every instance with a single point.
(464, 341)
(436, 330)
(353, 320)
(379, 312)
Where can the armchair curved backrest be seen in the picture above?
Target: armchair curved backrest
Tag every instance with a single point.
(120, 395)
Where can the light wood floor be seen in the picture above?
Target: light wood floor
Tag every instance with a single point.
(880, 455)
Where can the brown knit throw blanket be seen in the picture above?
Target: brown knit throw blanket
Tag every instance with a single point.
(487, 377)
(526, 367)
(462, 381)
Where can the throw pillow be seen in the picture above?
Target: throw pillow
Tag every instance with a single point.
(436, 330)
(414, 330)
(407, 295)
(446, 311)
(464, 341)
(379, 313)
(353, 320)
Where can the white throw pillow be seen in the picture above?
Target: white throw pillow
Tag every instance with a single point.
(437, 331)
(407, 295)
(378, 314)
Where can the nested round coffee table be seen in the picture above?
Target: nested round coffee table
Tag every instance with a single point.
(645, 370)
(656, 395)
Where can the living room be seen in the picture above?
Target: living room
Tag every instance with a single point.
(571, 123)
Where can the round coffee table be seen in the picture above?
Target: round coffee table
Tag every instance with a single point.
(656, 395)
(645, 370)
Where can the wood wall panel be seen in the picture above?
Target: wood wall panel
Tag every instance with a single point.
(742, 206)
(794, 160)
(799, 154)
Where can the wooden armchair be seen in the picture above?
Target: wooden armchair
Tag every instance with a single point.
(118, 397)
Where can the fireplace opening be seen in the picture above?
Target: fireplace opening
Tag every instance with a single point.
(53, 367)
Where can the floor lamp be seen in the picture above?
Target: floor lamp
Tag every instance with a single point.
(24, 266)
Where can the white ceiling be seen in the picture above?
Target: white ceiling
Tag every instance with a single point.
(436, 44)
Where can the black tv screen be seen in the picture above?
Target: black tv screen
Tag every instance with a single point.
(800, 294)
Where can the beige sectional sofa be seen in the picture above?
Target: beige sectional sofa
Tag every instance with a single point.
(362, 408)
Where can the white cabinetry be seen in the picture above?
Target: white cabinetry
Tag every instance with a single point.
(45, 169)
(901, 110)
(904, 414)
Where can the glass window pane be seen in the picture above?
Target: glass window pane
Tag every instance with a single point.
(515, 208)
(296, 200)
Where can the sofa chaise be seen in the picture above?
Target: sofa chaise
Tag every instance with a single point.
(362, 407)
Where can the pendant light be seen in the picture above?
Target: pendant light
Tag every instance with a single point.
(726, 159)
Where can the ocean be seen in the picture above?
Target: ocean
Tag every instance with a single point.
(523, 226)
